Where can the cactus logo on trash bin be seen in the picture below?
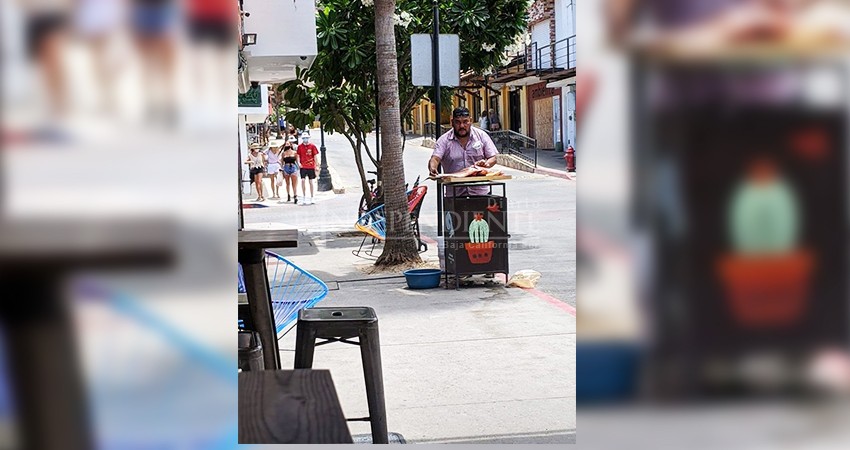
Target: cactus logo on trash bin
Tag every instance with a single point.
(480, 247)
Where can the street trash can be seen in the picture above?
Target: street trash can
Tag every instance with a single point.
(250, 351)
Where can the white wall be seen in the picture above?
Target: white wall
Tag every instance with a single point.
(283, 27)
(286, 38)
(565, 26)
(540, 36)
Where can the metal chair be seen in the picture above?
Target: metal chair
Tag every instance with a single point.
(291, 287)
(341, 325)
(374, 223)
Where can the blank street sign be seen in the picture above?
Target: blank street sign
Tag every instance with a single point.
(420, 59)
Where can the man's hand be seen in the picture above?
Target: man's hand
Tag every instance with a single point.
(433, 164)
(482, 163)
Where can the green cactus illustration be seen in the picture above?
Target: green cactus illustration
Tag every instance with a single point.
(479, 230)
(764, 218)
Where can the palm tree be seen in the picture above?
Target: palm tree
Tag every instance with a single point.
(400, 246)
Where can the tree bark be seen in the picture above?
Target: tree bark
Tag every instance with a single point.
(400, 245)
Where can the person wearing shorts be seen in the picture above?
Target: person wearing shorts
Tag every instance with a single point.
(290, 169)
(273, 158)
(153, 23)
(47, 24)
(256, 167)
(213, 22)
(307, 161)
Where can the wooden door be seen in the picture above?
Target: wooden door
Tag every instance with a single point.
(544, 123)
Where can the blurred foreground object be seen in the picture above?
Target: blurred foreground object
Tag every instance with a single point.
(36, 258)
(713, 245)
(688, 29)
(742, 190)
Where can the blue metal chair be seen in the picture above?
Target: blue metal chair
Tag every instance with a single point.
(374, 223)
(291, 287)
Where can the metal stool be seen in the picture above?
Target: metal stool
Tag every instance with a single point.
(340, 325)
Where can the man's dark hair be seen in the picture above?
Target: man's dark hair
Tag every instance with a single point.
(460, 112)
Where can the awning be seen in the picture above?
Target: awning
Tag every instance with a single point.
(562, 83)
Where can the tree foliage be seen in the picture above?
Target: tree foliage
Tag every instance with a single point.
(340, 86)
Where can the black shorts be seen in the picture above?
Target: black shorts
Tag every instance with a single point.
(218, 32)
(308, 173)
(256, 171)
(40, 27)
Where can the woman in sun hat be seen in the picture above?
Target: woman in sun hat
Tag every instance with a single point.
(256, 166)
(273, 156)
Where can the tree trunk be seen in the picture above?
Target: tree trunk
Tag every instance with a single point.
(400, 245)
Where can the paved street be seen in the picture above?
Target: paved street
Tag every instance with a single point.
(484, 364)
(541, 219)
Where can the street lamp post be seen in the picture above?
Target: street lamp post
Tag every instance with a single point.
(325, 182)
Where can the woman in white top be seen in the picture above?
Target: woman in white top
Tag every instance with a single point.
(256, 166)
(274, 156)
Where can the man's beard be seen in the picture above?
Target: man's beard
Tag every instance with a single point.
(462, 133)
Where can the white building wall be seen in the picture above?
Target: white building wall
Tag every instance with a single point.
(565, 26)
(540, 39)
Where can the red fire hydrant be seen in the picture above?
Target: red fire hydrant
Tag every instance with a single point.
(570, 158)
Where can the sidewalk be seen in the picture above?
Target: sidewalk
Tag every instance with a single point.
(485, 364)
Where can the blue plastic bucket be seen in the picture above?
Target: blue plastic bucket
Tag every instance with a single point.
(606, 371)
(422, 278)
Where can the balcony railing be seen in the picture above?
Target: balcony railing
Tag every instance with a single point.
(535, 60)
(558, 56)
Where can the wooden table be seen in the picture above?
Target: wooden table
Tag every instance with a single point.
(290, 407)
(36, 258)
(253, 242)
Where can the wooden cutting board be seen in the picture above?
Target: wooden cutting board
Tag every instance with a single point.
(449, 180)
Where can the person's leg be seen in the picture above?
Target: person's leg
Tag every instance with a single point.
(304, 188)
(291, 190)
(258, 180)
(273, 178)
(50, 59)
(312, 188)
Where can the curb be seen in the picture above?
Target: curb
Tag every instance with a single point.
(555, 173)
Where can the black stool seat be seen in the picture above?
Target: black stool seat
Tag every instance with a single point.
(341, 325)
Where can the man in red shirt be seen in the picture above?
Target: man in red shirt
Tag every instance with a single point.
(307, 162)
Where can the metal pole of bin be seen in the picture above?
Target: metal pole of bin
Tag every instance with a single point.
(435, 74)
(435, 81)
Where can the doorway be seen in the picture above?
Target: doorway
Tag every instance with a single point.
(514, 109)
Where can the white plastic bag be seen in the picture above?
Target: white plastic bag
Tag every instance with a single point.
(524, 279)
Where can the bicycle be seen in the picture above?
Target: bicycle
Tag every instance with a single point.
(375, 194)
(372, 198)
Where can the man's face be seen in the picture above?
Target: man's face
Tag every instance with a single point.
(461, 126)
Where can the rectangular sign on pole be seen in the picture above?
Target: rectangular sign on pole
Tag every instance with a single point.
(420, 59)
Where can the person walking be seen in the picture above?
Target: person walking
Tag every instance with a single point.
(273, 157)
(484, 121)
(256, 165)
(306, 157)
(290, 169)
(495, 123)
